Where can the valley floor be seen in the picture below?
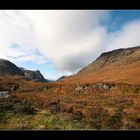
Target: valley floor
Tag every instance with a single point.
(71, 106)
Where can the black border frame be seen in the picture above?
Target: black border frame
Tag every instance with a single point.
(69, 135)
(70, 4)
(79, 5)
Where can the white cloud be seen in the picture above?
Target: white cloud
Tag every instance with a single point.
(128, 36)
(17, 37)
(69, 39)
(78, 53)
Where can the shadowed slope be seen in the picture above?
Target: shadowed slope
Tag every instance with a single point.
(8, 68)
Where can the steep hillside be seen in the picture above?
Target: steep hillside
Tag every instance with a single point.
(121, 65)
(8, 68)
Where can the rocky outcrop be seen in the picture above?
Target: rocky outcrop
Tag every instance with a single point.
(98, 86)
(34, 75)
(4, 94)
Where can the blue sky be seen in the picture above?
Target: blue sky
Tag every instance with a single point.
(120, 17)
(62, 42)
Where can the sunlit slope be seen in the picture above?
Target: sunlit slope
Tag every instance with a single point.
(122, 65)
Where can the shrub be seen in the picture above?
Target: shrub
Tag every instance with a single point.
(114, 122)
(24, 108)
(98, 118)
(18, 107)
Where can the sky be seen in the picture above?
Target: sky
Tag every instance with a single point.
(61, 42)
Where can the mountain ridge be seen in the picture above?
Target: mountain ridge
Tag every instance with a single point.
(120, 65)
(34, 75)
(9, 68)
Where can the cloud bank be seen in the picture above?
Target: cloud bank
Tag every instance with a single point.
(127, 36)
(69, 39)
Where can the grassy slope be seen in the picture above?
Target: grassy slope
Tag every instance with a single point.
(126, 70)
(62, 107)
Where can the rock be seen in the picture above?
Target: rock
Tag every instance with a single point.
(13, 87)
(102, 86)
(78, 88)
(34, 75)
(85, 87)
(4, 94)
(106, 87)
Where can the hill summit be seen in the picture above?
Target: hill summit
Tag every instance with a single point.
(9, 68)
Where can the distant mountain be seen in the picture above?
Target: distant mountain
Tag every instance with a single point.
(61, 78)
(50, 80)
(8, 68)
(33, 75)
(121, 65)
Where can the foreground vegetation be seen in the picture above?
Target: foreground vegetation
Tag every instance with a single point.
(72, 107)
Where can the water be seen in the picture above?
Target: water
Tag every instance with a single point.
(4, 94)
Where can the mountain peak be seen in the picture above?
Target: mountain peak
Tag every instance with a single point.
(33, 75)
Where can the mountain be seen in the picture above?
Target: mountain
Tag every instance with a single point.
(121, 65)
(8, 68)
(50, 80)
(61, 78)
(33, 75)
